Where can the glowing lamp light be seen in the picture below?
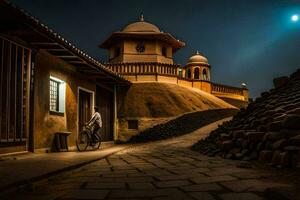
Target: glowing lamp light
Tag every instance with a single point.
(295, 18)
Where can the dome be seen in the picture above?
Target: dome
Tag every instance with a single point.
(141, 26)
(197, 59)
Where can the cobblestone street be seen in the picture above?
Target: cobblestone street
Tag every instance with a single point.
(165, 169)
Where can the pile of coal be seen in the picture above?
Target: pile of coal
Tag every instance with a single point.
(182, 125)
(268, 130)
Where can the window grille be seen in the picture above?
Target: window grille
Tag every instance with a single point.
(54, 87)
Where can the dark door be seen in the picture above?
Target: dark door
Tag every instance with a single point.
(104, 100)
(84, 108)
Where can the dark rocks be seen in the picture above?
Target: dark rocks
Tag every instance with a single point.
(265, 156)
(289, 133)
(226, 145)
(294, 141)
(224, 137)
(274, 136)
(254, 136)
(284, 159)
(295, 75)
(182, 125)
(268, 129)
(279, 144)
(280, 81)
(274, 126)
(292, 148)
(239, 134)
(291, 121)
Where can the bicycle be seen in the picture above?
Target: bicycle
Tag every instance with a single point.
(87, 138)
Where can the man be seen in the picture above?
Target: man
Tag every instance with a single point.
(96, 122)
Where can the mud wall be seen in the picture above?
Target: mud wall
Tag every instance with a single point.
(46, 124)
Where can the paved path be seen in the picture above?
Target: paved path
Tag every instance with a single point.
(157, 170)
(31, 166)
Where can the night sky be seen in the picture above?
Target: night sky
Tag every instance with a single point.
(249, 41)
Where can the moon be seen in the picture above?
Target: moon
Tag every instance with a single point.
(295, 18)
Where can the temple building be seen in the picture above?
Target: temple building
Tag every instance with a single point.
(140, 52)
(144, 55)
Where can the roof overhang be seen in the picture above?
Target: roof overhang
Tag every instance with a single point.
(164, 37)
(16, 23)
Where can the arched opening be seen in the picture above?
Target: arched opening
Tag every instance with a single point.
(205, 77)
(196, 73)
(189, 73)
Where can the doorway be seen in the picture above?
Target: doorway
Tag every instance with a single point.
(105, 100)
(196, 73)
(85, 107)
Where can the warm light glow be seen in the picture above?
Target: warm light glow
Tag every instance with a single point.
(295, 18)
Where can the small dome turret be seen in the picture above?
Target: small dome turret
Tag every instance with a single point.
(197, 59)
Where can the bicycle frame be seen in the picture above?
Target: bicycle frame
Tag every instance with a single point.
(88, 129)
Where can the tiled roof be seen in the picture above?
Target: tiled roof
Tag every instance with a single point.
(62, 42)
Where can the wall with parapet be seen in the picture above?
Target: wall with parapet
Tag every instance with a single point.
(169, 73)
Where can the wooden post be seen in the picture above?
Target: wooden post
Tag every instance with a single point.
(115, 127)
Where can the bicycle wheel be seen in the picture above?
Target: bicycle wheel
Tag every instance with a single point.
(98, 142)
(82, 141)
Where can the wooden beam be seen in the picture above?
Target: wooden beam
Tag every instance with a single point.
(45, 43)
(77, 62)
(59, 50)
(65, 56)
(90, 72)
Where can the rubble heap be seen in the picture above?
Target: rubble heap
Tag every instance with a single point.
(184, 124)
(267, 130)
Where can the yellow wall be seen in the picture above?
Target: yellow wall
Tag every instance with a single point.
(201, 85)
(146, 78)
(46, 124)
(246, 94)
(152, 53)
(185, 83)
(167, 79)
(229, 95)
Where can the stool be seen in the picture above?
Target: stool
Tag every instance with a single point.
(61, 141)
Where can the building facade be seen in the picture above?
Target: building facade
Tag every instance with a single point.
(47, 85)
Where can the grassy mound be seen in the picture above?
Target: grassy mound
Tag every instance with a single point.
(154, 100)
(182, 125)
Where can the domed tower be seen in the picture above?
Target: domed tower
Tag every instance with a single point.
(141, 42)
(197, 68)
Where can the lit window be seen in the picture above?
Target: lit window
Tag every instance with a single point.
(57, 95)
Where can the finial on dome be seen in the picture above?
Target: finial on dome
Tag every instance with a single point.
(141, 17)
(197, 52)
